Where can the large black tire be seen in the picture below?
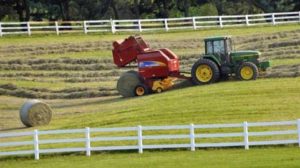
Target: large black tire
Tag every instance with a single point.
(128, 82)
(247, 71)
(205, 71)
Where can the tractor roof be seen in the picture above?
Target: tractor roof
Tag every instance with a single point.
(217, 38)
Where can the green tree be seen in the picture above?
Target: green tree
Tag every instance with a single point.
(275, 6)
(207, 9)
(20, 6)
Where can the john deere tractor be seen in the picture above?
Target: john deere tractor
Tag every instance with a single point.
(220, 61)
(158, 69)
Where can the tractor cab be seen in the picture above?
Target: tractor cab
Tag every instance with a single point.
(220, 47)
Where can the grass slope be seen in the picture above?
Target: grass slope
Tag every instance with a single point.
(225, 102)
(233, 158)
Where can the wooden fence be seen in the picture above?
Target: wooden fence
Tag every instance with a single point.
(194, 138)
(141, 25)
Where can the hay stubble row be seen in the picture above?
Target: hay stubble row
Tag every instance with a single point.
(32, 75)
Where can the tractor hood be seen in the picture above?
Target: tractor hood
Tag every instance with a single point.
(246, 53)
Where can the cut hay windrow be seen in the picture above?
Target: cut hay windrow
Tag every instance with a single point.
(62, 74)
(61, 48)
(44, 93)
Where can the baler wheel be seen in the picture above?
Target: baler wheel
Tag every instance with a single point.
(127, 83)
(141, 90)
(159, 90)
(205, 71)
(247, 71)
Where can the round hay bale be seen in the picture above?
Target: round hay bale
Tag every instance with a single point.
(127, 83)
(35, 113)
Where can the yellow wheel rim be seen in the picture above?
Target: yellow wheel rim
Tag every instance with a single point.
(140, 91)
(204, 73)
(159, 90)
(247, 73)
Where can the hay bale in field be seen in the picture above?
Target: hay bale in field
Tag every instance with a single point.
(34, 113)
(127, 83)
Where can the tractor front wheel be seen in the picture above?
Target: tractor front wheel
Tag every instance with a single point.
(247, 71)
(205, 71)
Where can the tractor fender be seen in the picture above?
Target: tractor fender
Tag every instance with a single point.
(214, 59)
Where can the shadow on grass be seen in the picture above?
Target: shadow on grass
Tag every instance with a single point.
(90, 102)
(13, 129)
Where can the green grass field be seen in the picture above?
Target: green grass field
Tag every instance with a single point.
(258, 157)
(52, 67)
(225, 102)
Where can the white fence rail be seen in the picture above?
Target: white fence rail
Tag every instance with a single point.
(194, 138)
(140, 25)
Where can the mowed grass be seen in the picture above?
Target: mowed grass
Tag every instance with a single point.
(224, 102)
(292, 61)
(70, 53)
(161, 35)
(227, 102)
(258, 157)
(56, 85)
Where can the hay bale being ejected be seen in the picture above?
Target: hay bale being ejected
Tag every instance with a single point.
(34, 113)
(127, 83)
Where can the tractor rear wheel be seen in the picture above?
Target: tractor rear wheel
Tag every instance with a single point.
(205, 71)
(247, 71)
(128, 82)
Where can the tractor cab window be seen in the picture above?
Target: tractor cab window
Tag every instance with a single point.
(209, 47)
(213, 47)
(219, 47)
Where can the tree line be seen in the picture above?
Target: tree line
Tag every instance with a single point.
(72, 10)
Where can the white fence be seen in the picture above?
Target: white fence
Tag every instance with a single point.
(194, 136)
(140, 25)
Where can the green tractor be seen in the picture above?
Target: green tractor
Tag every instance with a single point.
(220, 61)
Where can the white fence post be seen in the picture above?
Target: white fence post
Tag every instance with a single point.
(298, 124)
(192, 137)
(56, 28)
(140, 26)
(36, 145)
(140, 138)
(194, 23)
(28, 28)
(113, 27)
(1, 30)
(85, 28)
(299, 16)
(166, 25)
(273, 19)
(87, 141)
(246, 135)
(247, 20)
(220, 21)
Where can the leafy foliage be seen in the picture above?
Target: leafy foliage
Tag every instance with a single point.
(37, 10)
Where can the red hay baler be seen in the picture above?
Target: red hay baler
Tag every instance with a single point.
(157, 69)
